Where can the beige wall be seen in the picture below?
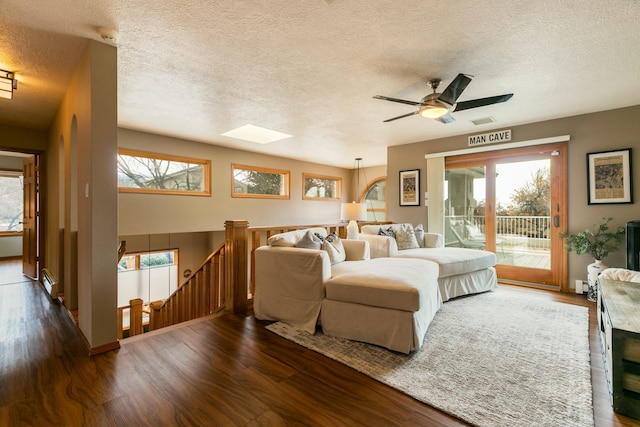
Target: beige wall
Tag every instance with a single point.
(86, 126)
(159, 214)
(608, 130)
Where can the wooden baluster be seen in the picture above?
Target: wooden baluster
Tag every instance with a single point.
(154, 315)
(221, 285)
(135, 317)
(120, 314)
(206, 290)
(256, 242)
(237, 266)
(188, 303)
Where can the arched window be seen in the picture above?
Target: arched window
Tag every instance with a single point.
(375, 197)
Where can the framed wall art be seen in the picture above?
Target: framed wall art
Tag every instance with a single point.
(321, 187)
(609, 177)
(410, 187)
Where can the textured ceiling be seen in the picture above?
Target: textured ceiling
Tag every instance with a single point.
(197, 69)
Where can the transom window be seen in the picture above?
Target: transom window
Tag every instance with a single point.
(258, 182)
(144, 172)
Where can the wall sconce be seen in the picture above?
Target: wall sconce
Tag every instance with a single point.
(8, 84)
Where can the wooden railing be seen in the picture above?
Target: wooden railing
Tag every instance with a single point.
(224, 281)
(202, 294)
(136, 322)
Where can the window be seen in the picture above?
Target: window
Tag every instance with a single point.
(11, 201)
(319, 187)
(142, 172)
(152, 276)
(252, 181)
(375, 197)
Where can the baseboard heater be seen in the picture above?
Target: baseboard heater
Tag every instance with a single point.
(50, 283)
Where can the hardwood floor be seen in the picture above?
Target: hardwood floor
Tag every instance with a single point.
(226, 371)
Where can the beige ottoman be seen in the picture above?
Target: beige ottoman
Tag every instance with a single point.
(384, 301)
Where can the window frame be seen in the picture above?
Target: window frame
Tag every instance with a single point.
(365, 191)
(18, 174)
(206, 173)
(336, 180)
(286, 185)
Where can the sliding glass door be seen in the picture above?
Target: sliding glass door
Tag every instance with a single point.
(511, 202)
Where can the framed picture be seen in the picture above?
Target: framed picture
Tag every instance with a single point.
(609, 178)
(410, 188)
(320, 187)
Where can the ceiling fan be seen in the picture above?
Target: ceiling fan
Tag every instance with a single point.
(438, 105)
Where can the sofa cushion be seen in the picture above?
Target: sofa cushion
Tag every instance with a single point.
(290, 238)
(453, 261)
(382, 282)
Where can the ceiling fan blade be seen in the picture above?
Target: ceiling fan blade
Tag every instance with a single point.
(400, 117)
(402, 101)
(447, 118)
(481, 102)
(451, 94)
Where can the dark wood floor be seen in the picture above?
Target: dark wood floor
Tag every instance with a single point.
(225, 371)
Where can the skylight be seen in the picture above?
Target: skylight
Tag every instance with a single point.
(256, 134)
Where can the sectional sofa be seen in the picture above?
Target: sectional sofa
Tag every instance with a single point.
(387, 300)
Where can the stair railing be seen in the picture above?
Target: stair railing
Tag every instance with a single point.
(202, 294)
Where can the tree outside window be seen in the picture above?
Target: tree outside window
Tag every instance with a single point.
(11, 201)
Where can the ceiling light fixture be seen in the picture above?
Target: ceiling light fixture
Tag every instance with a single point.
(431, 107)
(433, 110)
(353, 212)
(8, 84)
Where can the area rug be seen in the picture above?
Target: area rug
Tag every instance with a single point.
(493, 359)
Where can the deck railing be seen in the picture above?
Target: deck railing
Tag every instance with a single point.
(529, 231)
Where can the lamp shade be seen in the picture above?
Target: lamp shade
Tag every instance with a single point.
(353, 211)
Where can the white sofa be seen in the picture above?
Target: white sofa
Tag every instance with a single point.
(384, 301)
(462, 271)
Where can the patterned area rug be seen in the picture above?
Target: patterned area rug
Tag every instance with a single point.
(493, 359)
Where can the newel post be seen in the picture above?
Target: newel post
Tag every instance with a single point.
(237, 265)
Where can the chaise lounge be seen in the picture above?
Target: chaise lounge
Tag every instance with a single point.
(462, 271)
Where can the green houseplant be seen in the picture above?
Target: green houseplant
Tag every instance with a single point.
(598, 243)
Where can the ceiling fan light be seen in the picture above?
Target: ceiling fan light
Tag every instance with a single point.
(433, 111)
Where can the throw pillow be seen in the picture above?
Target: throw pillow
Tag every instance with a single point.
(419, 232)
(334, 248)
(309, 241)
(290, 238)
(406, 238)
(387, 232)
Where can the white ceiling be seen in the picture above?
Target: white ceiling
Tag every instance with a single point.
(197, 69)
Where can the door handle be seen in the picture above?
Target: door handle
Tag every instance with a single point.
(556, 221)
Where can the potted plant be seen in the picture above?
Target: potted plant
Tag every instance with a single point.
(598, 243)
